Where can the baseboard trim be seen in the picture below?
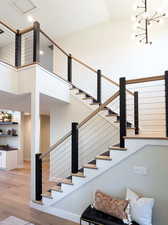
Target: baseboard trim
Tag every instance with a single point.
(57, 212)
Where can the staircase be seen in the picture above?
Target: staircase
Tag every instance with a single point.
(126, 117)
(96, 166)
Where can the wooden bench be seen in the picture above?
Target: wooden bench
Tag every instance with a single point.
(92, 216)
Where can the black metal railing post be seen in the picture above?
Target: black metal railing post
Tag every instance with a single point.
(99, 86)
(136, 113)
(38, 177)
(18, 49)
(36, 42)
(70, 68)
(123, 127)
(166, 101)
(75, 160)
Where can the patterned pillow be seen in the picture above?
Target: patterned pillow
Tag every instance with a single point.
(112, 206)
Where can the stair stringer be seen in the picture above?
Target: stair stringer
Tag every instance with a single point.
(133, 146)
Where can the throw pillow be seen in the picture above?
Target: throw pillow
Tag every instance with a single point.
(141, 208)
(112, 206)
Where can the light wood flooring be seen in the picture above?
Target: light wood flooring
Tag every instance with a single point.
(15, 198)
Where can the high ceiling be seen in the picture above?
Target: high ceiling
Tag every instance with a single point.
(61, 17)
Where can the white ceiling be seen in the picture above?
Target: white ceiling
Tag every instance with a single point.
(61, 17)
(22, 103)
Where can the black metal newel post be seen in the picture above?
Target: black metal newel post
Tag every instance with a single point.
(18, 49)
(99, 87)
(136, 113)
(75, 148)
(70, 68)
(38, 177)
(123, 126)
(166, 101)
(36, 42)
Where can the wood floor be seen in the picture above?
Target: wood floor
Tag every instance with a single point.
(15, 198)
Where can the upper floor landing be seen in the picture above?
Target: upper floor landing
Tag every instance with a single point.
(32, 78)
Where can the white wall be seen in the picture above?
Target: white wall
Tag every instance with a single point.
(109, 46)
(52, 85)
(44, 135)
(117, 179)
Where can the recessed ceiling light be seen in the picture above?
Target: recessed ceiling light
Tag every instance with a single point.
(41, 52)
(30, 19)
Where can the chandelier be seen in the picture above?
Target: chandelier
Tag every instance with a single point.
(143, 21)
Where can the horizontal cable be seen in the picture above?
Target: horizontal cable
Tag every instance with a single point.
(82, 123)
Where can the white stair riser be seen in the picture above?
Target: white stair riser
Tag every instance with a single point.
(90, 172)
(67, 187)
(47, 201)
(78, 180)
(56, 194)
(117, 156)
(103, 163)
(88, 101)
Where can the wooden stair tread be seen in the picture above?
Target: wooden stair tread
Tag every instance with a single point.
(56, 188)
(67, 181)
(111, 115)
(80, 174)
(47, 195)
(95, 103)
(117, 148)
(79, 93)
(37, 202)
(104, 109)
(87, 98)
(146, 137)
(90, 166)
(102, 157)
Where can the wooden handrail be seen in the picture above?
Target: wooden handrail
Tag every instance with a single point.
(84, 64)
(26, 30)
(8, 27)
(65, 53)
(54, 43)
(64, 138)
(145, 79)
(95, 71)
(99, 109)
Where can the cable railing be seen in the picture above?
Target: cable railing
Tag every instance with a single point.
(7, 45)
(148, 109)
(90, 116)
(141, 102)
(87, 139)
(33, 46)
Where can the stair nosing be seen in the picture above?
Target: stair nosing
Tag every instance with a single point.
(53, 189)
(46, 196)
(78, 175)
(87, 167)
(37, 202)
(117, 148)
(108, 158)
